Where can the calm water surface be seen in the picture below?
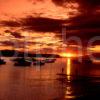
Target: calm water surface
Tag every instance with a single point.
(43, 83)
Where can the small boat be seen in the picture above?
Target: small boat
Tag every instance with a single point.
(22, 62)
(18, 59)
(50, 60)
(74, 61)
(2, 62)
(87, 61)
(39, 63)
(33, 59)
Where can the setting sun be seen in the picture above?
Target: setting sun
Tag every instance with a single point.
(67, 55)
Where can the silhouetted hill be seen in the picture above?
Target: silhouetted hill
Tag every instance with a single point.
(13, 53)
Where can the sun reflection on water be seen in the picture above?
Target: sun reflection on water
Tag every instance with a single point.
(68, 70)
(69, 93)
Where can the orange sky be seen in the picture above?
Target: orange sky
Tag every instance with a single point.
(45, 8)
(16, 9)
(21, 12)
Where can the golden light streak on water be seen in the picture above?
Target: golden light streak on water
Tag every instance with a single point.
(68, 70)
(69, 93)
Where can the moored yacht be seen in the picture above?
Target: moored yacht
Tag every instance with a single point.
(2, 61)
(50, 60)
(39, 63)
(22, 62)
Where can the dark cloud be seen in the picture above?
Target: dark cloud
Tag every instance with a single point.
(83, 26)
(7, 43)
(86, 6)
(41, 24)
(35, 24)
(89, 3)
(91, 21)
(15, 44)
(15, 34)
(10, 23)
(96, 42)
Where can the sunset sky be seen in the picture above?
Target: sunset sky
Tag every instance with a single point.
(37, 24)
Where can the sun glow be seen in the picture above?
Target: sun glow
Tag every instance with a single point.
(68, 55)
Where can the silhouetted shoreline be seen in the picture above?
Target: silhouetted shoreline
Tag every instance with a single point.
(14, 53)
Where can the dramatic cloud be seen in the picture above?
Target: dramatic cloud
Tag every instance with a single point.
(15, 34)
(37, 8)
(41, 22)
(10, 23)
(35, 24)
(84, 4)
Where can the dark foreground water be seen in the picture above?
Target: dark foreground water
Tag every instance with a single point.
(44, 83)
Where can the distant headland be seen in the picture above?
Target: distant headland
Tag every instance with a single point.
(15, 53)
